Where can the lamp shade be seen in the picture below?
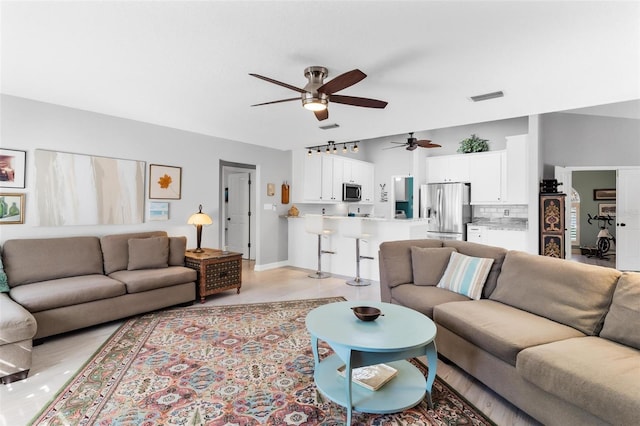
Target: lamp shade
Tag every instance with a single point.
(200, 218)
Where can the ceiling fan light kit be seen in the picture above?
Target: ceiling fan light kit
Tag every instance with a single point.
(317, 94)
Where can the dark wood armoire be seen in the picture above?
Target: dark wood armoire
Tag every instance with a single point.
(552, 224)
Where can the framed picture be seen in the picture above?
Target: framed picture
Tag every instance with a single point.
(158, 210)
(165, 182)
(604, 194)
(12, 168)
(11, 209)
(607, 209)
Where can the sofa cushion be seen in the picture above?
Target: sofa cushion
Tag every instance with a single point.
(150, 279)
(571, 293)
(622, 323)
(115, 249)
(429, 264)
(148, 253)
(41, 259)
(482, 250)
(177, 248)
(466, 275)
(423, 298)
(595, 374)
(16, 323)
(499, 329)
(395, 258)
(52, 294)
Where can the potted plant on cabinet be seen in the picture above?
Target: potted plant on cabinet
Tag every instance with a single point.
(473, 144)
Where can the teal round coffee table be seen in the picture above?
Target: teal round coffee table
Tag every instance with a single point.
(400, 334)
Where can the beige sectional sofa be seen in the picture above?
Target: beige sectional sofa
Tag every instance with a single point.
(558, 339)
(63, 284)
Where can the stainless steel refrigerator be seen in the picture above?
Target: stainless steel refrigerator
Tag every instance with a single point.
(447, 208)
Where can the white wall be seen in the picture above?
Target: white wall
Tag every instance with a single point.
(587, 140)
(28, 125)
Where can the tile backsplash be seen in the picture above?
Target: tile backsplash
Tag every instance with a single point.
(501, 211)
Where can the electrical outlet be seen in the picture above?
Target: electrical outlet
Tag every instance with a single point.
(506, 212)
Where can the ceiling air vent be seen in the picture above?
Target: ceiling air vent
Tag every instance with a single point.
(487, 96)
(329, 126)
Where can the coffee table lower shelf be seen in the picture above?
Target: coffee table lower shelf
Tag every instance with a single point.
(404, 391)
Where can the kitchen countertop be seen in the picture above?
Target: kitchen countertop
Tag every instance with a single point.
(382, 219)
(501, 224)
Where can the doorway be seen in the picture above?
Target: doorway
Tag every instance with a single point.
(237, 207)
(624, 209)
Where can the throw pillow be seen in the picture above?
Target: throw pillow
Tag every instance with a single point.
(148, 253)
(4, 284)
(177, 248)
(466, 275)
(621, 322)
(429, 264)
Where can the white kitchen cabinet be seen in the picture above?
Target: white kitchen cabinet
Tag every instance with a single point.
(448, 168)
(487, 177)
(318, 178)
(517, 173)
(509, 239)
(312, 178)
(332, 179)
(363, 175)
(477, 234)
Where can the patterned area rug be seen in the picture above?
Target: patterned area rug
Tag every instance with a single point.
(224, 365)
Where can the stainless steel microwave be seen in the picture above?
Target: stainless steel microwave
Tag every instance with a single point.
(351, 192)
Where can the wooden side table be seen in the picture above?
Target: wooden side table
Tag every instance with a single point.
(217, 271)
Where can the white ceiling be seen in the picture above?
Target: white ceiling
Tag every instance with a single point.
(186, 64)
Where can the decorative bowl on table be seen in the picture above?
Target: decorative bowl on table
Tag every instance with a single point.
(366, 313)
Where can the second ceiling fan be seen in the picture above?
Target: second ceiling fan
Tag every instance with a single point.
(316, 94)
(413, 143)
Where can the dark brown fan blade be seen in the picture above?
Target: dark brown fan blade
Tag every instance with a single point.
(426, 143)
(279, 83)
(342, 81)
(322, 115)
(277, 102)
(355, 101)
(423, 142)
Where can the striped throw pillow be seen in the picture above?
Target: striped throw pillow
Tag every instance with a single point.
(466, 275)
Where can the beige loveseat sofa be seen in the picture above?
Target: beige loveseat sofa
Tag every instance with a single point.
(63, 284)
(558, 339)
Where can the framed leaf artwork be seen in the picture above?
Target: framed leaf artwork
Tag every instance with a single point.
(165, 182)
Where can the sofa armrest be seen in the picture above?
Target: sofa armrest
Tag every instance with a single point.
(16, 323)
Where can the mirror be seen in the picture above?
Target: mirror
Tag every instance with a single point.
(403, 197)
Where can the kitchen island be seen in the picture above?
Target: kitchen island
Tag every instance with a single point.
(303, 245)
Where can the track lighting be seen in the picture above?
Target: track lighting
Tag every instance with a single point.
(332, 148)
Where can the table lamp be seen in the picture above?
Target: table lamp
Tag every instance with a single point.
(199, 219)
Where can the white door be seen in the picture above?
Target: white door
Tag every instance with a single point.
(238, 214)
(563, 176)
(628, 220)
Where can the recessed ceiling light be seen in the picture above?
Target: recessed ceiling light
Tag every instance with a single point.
(486, 96)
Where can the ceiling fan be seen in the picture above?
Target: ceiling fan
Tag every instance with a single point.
(317, 94)
(412, 143)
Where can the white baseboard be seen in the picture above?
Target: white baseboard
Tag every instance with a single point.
(268, 266)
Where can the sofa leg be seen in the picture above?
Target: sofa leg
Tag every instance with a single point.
(20, 375)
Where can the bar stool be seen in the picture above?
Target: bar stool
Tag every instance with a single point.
(358, 229)
(316, 224)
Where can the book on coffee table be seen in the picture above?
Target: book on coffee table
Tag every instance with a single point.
(372, 377)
